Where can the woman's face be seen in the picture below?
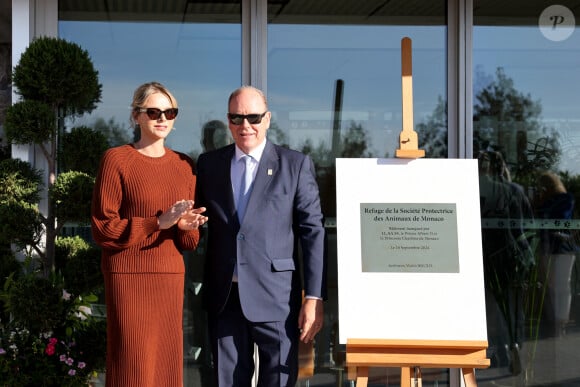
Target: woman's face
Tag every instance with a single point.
(156, 128)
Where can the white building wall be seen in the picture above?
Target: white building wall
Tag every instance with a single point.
(31, 19)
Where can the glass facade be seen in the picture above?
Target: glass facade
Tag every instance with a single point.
(331, 70)
(526, 127)
(195, 53)
(334, 89)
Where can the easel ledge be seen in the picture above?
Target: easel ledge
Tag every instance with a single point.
(407, 354)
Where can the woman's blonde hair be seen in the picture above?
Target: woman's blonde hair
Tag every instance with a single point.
(550, 183)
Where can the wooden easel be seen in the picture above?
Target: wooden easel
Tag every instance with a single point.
(408, 139)
(413, 354)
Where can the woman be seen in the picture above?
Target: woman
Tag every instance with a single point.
(555, 207)
(143, 218)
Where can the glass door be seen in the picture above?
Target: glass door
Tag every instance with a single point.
(526, 136)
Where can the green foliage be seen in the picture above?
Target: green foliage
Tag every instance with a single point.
(30, 122)
(20, 220)
(277, 135)
(42, 361)
(541, 155)
(5, 150)
(505, 119)
(71, 246)
(71, 193)
(81, 150)
(433, 132)
(79, 262)
(48, 335)
(9, 265)
(59, 73)
(19, 181)
(20, 223)
(115, 133)
(53, 340)
(52, 337)
(355, 142)
(56, 79)
(25, 306)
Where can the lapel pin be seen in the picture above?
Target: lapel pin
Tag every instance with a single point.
(269, 172)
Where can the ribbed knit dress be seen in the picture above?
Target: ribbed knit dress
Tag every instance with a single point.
(142, 265)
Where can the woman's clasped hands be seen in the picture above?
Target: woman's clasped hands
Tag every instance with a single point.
(184, 215)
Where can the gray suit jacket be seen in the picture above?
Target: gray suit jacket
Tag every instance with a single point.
(284, 208)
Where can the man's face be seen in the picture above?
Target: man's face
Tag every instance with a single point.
(248, 136)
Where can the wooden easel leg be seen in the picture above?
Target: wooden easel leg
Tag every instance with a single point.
(469, 377)
(406, 377)
(362, 378)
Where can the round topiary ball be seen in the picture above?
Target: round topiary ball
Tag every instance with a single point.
(58, 73)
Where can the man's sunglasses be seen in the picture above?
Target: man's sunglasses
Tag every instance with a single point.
(238, 119)
(155, 114)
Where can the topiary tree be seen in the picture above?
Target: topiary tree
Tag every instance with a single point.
(20, 220)
(55, 79)
(74, 155)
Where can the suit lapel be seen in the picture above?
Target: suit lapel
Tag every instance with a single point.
(224, 182)
(267, 169)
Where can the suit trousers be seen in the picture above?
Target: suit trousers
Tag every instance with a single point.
(233, 338)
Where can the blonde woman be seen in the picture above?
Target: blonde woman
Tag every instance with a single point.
(143, 218)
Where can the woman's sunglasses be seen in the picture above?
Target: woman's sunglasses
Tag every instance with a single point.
(238, 119)
(155, 114)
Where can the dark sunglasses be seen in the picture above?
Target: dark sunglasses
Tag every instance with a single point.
(238, 119)
(155, 114)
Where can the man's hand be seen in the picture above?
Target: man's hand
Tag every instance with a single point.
(310, 319)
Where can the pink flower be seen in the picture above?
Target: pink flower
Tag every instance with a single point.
(49, 349)
(62, 358)
(82, 365)
(72, 372)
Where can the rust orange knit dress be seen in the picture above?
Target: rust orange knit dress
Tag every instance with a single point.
(142, 265)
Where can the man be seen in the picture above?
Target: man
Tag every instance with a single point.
(253, 284)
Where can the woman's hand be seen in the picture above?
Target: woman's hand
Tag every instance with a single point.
(174, 213)
(192, 219)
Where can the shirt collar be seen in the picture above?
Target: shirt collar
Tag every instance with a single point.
(256, 153)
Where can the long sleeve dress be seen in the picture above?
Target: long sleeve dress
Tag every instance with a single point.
(142, 265)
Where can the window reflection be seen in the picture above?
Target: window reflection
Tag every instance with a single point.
(196, 52)
(334, 88)
(526, 113)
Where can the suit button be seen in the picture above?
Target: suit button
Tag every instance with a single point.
(241, 237)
